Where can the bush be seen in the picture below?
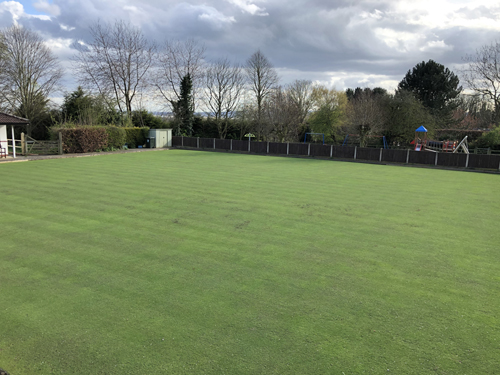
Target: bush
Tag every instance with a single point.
(83, 139)
(117, 137)
(490, 139)
(136, 136)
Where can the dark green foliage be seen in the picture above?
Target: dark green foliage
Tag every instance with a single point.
(84, 139)
(358, 92)
(136, 136)
(490, 139)
(435, 86)
(405, 113)
(143, 118)
(184, 108)
(84, 109)
(116, 137)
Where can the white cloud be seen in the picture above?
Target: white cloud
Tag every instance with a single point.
(249, 7)
(436, 45)
(13, 7)
(45, 6)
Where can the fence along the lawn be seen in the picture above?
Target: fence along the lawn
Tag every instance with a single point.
(478, 161)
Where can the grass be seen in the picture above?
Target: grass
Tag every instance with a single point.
(185, 262)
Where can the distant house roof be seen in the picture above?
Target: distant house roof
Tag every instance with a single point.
(6, 119)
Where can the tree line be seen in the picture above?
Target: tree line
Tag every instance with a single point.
(120, 71)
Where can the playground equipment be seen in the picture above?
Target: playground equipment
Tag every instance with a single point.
(384, 141)
(423, 144)
(305, 136)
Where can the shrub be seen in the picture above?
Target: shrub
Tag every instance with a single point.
(83, 139)
(116, 137)
(136, 136)
(490, 139)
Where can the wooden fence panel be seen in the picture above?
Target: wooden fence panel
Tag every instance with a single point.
(190, 142)
(422, 157)
(394, 156)
(365, 153)
(176, 141)
(320, 150)
(223, 144)
(240, 145)
(258, 147)
(448, 159)
(277, 148)
(298, 149)
(484, 161)
(344, 152)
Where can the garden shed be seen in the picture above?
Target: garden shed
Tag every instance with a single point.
(162, 138)
(9, 122)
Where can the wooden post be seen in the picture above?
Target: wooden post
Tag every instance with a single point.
(13, 142)
(23, 145)
(60, 144)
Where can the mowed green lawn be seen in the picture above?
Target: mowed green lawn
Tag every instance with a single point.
(185, 262)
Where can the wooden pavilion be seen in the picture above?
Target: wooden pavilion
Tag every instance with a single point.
(7, 120)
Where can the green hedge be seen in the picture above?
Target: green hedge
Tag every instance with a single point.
(136, 136)
(84, 139)
(117, 137)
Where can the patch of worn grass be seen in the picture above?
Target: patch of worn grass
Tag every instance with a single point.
(196, 262)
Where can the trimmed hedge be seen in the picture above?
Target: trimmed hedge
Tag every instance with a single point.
(136, 136)
(84, 139)
(117, 137)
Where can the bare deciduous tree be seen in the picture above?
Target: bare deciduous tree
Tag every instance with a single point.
(483, 74)
(224, 85)
(282, 115)
(365, 115)
(29, 73)
(116, 63)
(178, 59)
(301, 92)
(262, 78)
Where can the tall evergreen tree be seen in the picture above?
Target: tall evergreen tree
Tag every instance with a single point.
(435, 86)
(184, 107)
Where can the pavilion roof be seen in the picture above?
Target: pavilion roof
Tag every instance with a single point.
(6, 119)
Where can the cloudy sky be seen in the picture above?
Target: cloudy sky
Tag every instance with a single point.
(339, 43)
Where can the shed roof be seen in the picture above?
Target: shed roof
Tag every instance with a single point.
(6, 119)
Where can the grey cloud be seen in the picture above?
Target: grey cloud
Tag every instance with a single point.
(310, 38)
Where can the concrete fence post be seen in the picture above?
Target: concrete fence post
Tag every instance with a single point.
(268, 147)
(407, 156)
(355, 151)
(287, 148)
(308, 149)
(60, 144)
(214, 143)
(331, 151)
(467, 161)
(182, 141)
(248, 144)
(380, 156)
(198, 142)
(231, 147)
(436, 159)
